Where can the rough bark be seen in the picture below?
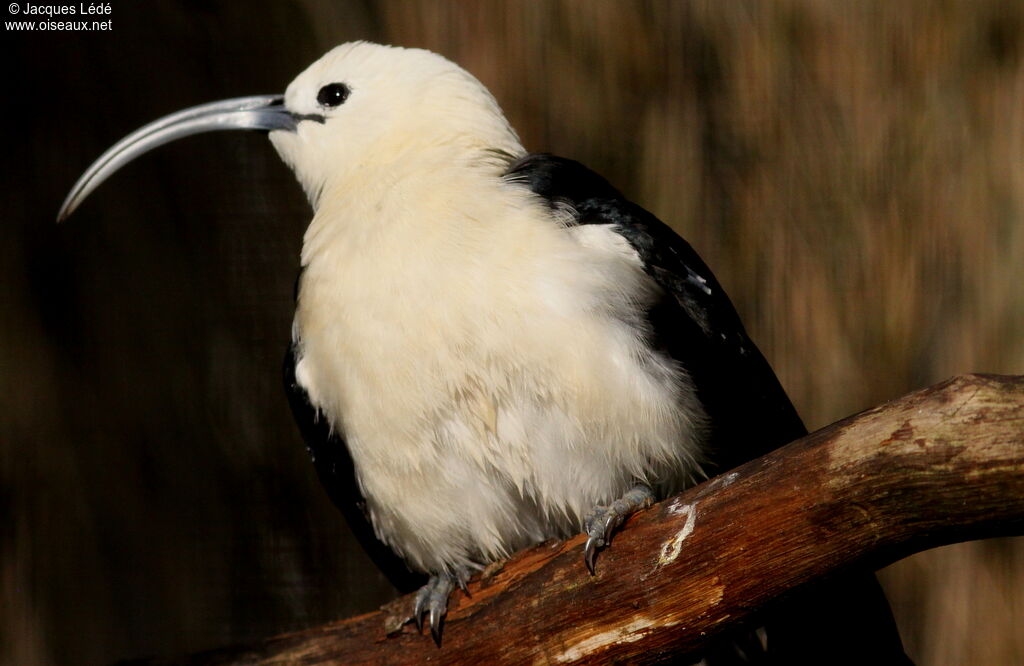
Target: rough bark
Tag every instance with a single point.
(937, 466)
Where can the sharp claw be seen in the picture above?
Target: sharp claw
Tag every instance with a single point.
(435, 625)
(611, 521)
(462, 585)
(432, 603)
(604, 520)
(590, 555)
(420, 608)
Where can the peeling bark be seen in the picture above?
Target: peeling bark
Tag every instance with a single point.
(940, 465)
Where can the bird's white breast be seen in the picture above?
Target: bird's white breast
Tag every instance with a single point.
(484, 361)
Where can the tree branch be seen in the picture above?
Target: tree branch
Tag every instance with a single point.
(940, 465)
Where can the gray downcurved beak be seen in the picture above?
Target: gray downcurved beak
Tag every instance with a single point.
(260, 112)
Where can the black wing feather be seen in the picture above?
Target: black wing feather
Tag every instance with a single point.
(844, 620)
(695, 322)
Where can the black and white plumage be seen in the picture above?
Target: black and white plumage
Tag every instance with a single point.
(491, 347)
(691, 324)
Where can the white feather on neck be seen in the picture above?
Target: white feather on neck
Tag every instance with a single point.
(485, 360)
(477, 353)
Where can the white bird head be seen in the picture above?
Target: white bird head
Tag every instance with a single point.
(361, 105)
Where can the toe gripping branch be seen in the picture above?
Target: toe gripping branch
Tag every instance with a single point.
(604, 520)
(432, 600)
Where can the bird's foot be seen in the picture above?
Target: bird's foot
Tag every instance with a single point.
(432, 600)
(604, 520)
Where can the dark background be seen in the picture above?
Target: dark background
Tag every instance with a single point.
(851, 171)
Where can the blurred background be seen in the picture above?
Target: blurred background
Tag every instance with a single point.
(852, 171)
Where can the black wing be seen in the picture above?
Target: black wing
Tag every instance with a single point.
(845, 620)
(694, 323)
(334, 467)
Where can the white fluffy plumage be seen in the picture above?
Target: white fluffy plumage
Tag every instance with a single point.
(485, 360)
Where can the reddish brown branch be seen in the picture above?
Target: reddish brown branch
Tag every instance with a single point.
(937, 466)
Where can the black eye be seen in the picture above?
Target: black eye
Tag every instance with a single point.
(332, 95)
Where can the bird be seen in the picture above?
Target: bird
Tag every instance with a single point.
(493, 347)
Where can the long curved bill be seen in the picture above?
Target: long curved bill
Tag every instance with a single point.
(260, 112)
